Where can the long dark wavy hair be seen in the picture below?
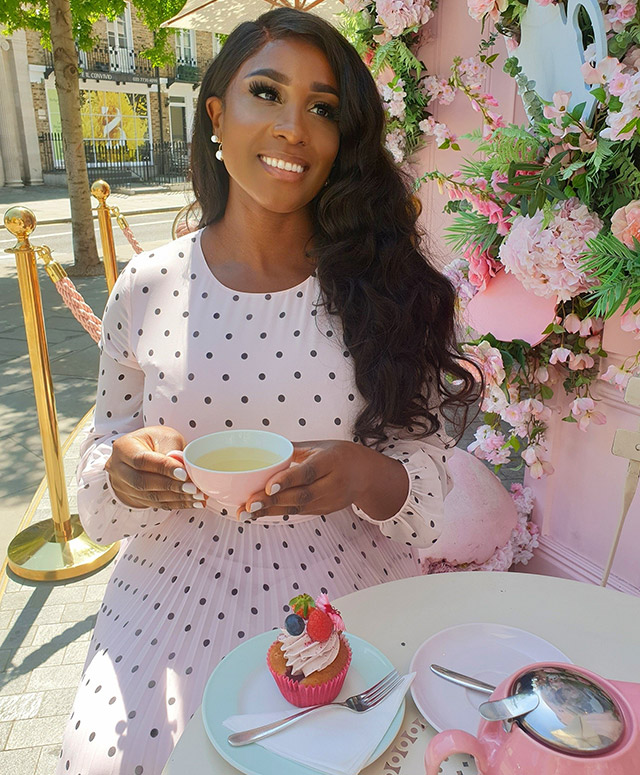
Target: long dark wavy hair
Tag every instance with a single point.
(397, 310)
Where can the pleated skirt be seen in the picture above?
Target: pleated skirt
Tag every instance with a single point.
(181, 597)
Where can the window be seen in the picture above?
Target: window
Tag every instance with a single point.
(185, 47)
(115, 125)
(120, 43)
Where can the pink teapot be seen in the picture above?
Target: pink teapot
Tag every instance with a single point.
(582, 724)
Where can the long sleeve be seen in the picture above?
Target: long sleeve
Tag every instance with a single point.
(119, 410)
(419, 522)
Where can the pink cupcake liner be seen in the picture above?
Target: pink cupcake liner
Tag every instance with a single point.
(304, 696)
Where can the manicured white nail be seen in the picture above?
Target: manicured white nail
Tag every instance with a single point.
(199, 496)
(244, 515)
(198, 505)
(190, 488)
(275, 488)
(255, 506)
(180, 474)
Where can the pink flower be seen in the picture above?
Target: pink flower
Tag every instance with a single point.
(584, 410)
(395, 143)
(545, 253)
(478, 9)
(606, 69)
(481, 266)
(398, 15)
(619, 84)
(536, 457)
(625, 223)
(472, 72)
(542, 374)
(490, 445)
(617, 376)
(560, 355)
(587, 144)
(439, 89)
(630, 322)
(592, 343)
(560, 105)
(440, 131)
(488, 359)
(322, 601)
(580, 361)
(631, 59)
(571, 323)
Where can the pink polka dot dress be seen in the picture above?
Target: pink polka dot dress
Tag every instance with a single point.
(181, 349)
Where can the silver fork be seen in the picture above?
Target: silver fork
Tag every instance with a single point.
(359, 703)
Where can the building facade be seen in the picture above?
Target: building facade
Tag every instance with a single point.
(136, 118)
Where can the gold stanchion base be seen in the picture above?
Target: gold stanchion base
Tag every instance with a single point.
(35, 554)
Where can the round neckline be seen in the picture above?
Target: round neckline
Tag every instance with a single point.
(255, 294)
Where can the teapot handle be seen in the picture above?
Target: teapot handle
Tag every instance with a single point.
(453, 741)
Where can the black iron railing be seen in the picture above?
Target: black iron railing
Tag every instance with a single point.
(124, 64)
(122, 163)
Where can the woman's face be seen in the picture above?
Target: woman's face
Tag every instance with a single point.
(278, 125)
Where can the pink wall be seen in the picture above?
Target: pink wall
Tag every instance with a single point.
(450, 33)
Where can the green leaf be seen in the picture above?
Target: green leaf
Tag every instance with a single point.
(577, 112)
(569, 418)
(546, 392)
(599, 93)
(629, 126)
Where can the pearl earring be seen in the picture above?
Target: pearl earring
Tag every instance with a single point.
(219, 155)
(214, 139)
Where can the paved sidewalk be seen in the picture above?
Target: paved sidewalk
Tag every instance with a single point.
(45, 627)
(52, 202)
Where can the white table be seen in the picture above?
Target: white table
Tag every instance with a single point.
(597, 628)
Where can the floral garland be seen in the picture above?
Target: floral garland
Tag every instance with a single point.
(557, 205)
(387, 34)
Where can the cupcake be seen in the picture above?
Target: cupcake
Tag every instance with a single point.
(310, 658)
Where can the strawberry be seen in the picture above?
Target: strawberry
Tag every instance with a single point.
(319, 625)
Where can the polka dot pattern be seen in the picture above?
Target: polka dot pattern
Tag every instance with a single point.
(189, 586)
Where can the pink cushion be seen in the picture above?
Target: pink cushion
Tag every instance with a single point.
(479, 513)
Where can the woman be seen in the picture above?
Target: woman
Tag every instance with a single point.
(302, 305)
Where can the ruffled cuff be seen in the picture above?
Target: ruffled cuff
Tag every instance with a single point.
(418, 523)
(103, 515)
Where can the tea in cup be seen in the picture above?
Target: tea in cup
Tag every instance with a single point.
(229, 466)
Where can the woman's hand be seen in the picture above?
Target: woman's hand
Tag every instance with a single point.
(143, 476)
(329, 476)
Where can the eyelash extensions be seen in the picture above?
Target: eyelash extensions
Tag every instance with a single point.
(260, 87)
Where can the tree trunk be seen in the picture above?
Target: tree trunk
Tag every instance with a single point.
(65, 64)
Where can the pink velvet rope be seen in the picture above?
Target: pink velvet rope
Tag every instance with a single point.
(126, 230)
(82, 312)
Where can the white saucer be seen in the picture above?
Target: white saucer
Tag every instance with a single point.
(489, 652)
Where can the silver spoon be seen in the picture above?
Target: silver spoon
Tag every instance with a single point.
(495, 710)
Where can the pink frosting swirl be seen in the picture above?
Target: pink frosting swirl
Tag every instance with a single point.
(306, 656)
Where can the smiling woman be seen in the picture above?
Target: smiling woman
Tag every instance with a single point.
(304, 306)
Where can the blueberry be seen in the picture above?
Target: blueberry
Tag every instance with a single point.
(294, 624)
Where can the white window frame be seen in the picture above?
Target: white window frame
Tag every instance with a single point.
(116, 48)
(180, 36)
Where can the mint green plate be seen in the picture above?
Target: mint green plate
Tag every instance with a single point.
(241, 683)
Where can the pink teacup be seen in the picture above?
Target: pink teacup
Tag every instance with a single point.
(234, 487)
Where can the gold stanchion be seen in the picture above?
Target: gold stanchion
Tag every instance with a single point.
(55, 548)
(101, 190)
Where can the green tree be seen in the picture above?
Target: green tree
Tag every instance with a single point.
(66, 26)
